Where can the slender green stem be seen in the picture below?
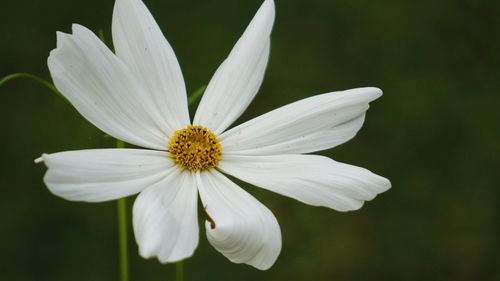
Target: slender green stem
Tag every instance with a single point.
(179, 266)
(196, 95)
(29, 76)
(35, 78)
(122, 231)
(100, 33)
(122, 234)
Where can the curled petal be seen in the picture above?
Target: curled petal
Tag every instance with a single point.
(239, 226)
(166, 220)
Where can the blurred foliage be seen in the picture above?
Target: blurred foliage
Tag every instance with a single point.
(435, 133)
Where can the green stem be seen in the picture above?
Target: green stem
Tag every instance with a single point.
(35, 78)
(122, 231)
(179, 266)
(122, 235)
(196, 95)
(100, 34)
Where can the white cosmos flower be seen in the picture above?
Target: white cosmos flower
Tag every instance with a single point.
(138, 95)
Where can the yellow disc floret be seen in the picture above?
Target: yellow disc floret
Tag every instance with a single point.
(195, 148)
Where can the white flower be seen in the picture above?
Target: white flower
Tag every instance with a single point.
(138, 95)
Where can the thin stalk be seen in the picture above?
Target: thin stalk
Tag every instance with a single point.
(196, 95)
(35, 78)
(122, 231)
(179, 266)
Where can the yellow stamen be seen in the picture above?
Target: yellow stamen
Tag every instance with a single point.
(195, 148)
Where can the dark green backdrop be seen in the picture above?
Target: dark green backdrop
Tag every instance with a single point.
(435, 134)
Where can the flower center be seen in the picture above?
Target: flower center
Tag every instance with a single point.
(195, 148)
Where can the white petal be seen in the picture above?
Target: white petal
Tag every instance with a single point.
(311, 179)
(140, 44)
(165, 218)
(97, 175)
(103, 89)
(239, 77)
(243, 229)
(312, 124)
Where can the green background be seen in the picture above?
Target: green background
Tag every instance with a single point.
(434, 133)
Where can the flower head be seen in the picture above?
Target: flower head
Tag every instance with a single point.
(195, 148)
(137, 95)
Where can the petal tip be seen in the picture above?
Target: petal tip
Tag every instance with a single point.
(266, 14)
(269, 6)
(75, 27)
(375, 91)
(61, 38)
(39, 159)
(386, 185)
(378, 91)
